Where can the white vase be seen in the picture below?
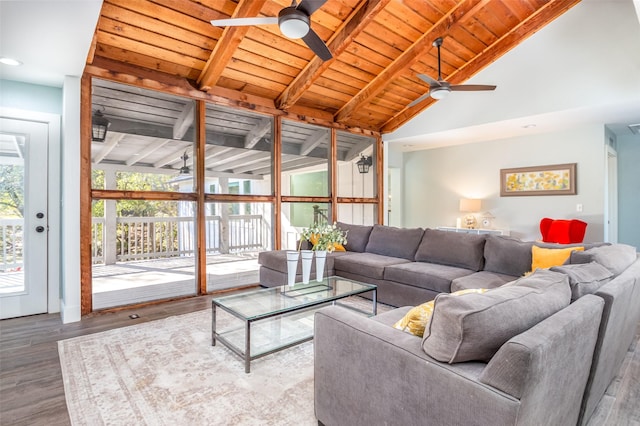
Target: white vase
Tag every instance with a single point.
(321, 257)
(292, 266)
(307, 258)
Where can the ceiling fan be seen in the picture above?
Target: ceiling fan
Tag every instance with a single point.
(439, 88)
(294, 22)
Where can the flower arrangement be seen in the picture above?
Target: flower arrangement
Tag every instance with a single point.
(325, 237)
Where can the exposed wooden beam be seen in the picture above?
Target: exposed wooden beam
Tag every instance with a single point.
(548, 12)
(455, 15)
(184, 121)
(361, 16)
(227, 44)
(172, 157)
(112, 141)
(149, 149)
(254, 136)
(314, 140)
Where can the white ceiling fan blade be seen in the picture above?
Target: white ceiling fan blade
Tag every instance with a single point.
(236, 22)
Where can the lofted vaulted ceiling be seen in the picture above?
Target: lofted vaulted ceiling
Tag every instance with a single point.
(378, 48)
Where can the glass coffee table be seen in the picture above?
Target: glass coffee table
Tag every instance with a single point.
(272, 319)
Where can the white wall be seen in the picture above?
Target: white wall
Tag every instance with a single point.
(628, 147)
(435, 180)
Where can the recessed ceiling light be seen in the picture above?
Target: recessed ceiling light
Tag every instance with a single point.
(10, 61)
(528, 126)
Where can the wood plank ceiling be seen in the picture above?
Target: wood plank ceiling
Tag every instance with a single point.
(378, 47)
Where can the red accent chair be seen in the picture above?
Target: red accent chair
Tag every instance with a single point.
(563, 231)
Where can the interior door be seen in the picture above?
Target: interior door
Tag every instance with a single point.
(23, 217)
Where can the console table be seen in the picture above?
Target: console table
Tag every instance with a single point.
(474, 231)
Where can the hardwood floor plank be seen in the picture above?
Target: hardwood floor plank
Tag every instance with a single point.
(32, 391)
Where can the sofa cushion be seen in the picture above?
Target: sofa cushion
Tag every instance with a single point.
(425, 275)
(615, 257)
(547, 257)
(507, 256)
(357, 236)
(396, 242)
(481, 279)
(585, 278)
(418, 317)
(475, 326)
(366, 264)
(452, 248)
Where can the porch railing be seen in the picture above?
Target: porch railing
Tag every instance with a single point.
(139, 238)
(11, 244)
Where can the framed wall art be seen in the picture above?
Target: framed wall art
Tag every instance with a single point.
(556, 179)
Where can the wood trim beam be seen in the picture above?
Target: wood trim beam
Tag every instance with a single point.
(363, 14)
(547, 13)
(410, 56)
(201, 235)
(239, 198)
(276, 183)
(333, 175)
(380, 178)
(133, 75)
(116, 194)
(227, 44)
(86, 261)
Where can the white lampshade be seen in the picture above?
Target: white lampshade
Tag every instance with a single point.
(470, 204)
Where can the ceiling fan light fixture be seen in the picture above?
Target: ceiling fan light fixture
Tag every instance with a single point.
(439, 92)
(184, 170)
(293, 23)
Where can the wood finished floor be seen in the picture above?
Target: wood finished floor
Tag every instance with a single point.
(32, 393)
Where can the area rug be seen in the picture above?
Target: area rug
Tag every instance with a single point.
(166, 372)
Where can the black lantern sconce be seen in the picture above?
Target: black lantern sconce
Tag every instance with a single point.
(99, 127)
(364, 163)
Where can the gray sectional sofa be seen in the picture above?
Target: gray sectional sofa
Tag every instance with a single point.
(411, 266)
(551, 363)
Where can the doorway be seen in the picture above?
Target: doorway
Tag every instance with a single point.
(24, 217)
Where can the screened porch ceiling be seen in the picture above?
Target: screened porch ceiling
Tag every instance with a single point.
(150, 132)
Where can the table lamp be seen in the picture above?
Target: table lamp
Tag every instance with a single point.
(470, 205)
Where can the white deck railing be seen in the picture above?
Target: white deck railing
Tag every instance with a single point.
(11, 244)
(139, 238)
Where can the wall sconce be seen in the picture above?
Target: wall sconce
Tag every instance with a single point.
(184, 170)
(99, 127)
(470, 205)
(364, 163)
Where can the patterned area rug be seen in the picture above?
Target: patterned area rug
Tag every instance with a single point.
(166, 372)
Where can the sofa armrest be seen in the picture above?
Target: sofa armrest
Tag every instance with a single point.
(547, 366)
(370, 373)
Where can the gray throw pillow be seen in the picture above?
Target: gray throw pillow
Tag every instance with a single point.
(357, 236)
(616, 257)
(452, 248)
(395, 242)
(585, 278)
(474, 326)
(506, 255)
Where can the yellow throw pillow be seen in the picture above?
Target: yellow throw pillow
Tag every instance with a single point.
(547, 257)
(338, 247)
(417, 319)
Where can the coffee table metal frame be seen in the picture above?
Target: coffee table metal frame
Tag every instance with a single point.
(300, 302)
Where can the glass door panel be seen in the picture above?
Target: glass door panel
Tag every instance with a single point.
(23, 217)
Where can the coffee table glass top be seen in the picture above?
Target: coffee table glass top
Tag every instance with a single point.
(262, 303)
